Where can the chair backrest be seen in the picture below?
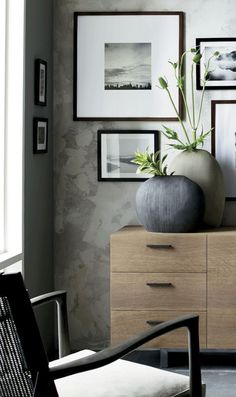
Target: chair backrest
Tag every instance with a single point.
(23, 361)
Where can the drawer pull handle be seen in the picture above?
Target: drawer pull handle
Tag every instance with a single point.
(159, 284)
(154, 322)
(159, 246)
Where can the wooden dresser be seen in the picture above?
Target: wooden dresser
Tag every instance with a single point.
(159, 276)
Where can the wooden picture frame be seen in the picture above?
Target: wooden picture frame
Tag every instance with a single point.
(40, 89)
(118, 57)
(40, 135)
(223, 142)
(222, 74)
(117, 147)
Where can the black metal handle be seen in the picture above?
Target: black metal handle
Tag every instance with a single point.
(159, 284)
(159, 246)
(154, 322)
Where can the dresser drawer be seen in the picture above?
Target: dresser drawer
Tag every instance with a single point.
(158, 291)
(125, 324)
(136, 250)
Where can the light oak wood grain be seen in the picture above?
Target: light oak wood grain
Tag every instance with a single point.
(211, 294)
(129, 252)
(125, 324)
(187, 292)
(221, 329)
(222, 291)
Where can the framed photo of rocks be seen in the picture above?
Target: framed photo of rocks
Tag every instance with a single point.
(222, 71)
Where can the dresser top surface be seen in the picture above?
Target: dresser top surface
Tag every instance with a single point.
(131, 229)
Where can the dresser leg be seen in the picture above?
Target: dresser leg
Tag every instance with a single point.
(163, 358)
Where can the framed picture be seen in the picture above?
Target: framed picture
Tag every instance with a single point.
(40, 90)
(118, 57)
(222, 73)
(40, 135)
(117, 148)
(223, 142)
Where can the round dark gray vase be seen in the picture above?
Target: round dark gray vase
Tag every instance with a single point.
(170, 204)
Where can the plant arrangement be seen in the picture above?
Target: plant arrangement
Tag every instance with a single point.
(193, 115)
(151, 163)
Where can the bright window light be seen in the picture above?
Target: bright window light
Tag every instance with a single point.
(11, 129)
(2, 115)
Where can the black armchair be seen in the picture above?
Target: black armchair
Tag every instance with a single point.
(25, 371)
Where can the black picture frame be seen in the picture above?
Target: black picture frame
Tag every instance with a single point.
(89, 66)
(227, 44)
(223, 142)
(40, 135)
(115, 137)
(40, 82)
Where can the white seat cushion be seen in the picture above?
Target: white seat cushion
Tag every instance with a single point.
(120, 379)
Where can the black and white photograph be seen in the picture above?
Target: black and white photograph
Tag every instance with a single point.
(128, 66)
(223, 142)
(222, 68)
(118, 58)
(117, 148)
(40, 135)
(40, 97)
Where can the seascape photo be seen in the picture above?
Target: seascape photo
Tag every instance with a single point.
(128, 66)
(223, 67)
(118, 151)
(119, 156)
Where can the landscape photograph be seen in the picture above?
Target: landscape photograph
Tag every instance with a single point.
(128, 66)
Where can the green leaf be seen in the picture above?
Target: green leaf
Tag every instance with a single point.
(164, 158)
(150, 163)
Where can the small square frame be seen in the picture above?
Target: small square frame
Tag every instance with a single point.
(40, 89)
(217, 44)
(130, 141)
(40, 135)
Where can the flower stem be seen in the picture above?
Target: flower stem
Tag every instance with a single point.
(178, 116)
(203, 89)
(193, 106)
(181, 88)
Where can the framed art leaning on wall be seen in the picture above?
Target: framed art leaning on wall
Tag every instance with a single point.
(118, 57)
(116, 149)
(223, 142)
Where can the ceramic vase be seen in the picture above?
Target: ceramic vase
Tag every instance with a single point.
(170, 204)
(202, 168)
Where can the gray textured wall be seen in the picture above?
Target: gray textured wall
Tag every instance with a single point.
(38, 169)
(87, 211)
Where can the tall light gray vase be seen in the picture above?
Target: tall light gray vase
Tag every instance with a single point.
(171, 204)
(202, 168)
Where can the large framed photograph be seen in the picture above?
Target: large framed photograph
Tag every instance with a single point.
(40, 135)
(40, 77)
(223, 142)
(116, 149)
(118, 57)
(222, 72)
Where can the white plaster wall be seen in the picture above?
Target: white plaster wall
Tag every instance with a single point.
(87, 211)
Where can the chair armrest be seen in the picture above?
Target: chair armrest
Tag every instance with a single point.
(111, 354)
(62, 320)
